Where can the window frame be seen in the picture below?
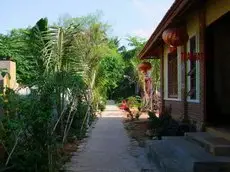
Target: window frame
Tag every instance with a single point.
(197, 72)
(172, 76)
(166, 52)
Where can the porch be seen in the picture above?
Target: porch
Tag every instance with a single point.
(196, 89)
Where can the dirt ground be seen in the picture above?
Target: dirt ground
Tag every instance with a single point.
(137, 128)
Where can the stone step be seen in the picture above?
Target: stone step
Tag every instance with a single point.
(107, 170)
(220, 132)
(176, 154)
(91, 169)
(217, 146)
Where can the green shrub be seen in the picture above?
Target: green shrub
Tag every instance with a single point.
(134, 101)
(101, 106)
(164, 125)
(154, 120)
(137, 116)
(119, 100)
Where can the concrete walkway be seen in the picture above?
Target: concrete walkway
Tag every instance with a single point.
(108, 149)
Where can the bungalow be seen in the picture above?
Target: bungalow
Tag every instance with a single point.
(196, 89)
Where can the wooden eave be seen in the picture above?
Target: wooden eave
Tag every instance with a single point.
(172, 18)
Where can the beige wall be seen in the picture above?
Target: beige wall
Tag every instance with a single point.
(192, 24)
(11, 69)
(215, 9)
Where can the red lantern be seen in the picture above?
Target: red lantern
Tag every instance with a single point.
(145, 66)
(172, 49)
(175, 36)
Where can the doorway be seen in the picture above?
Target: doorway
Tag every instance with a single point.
(218, 72)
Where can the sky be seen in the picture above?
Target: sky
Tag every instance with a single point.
(127, 17)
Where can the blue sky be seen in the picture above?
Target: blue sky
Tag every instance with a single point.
(127, 17)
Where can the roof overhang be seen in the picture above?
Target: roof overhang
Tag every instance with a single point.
(171, 18)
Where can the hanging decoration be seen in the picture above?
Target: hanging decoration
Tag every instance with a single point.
(172, 49)
(144, 67)
(175, 36)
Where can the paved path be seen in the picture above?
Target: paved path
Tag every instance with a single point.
(108, 149)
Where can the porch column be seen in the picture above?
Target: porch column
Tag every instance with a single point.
(202, 27)
(184, 90)
(184, 85)
(162, 80)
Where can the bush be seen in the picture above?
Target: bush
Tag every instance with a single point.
(119, 100)
(134, 101)
(101, 106)
(161, 125)
(165, 125)
(154, 120)
(137, 116)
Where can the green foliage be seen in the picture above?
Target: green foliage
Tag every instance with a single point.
(15, 45)
(101, 106)
(25, 126)
(71, 67)
(127, 86)
(137, 115)
(163, 125)
(63, 63)
(134, 78)
(134, 101)
(155, 122)
(110, 71)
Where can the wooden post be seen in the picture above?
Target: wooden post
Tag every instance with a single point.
(162, 80)
(184, 84)
(202, 27)
(184, 87)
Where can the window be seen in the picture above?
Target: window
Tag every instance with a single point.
(193, 70)
(172, 76)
